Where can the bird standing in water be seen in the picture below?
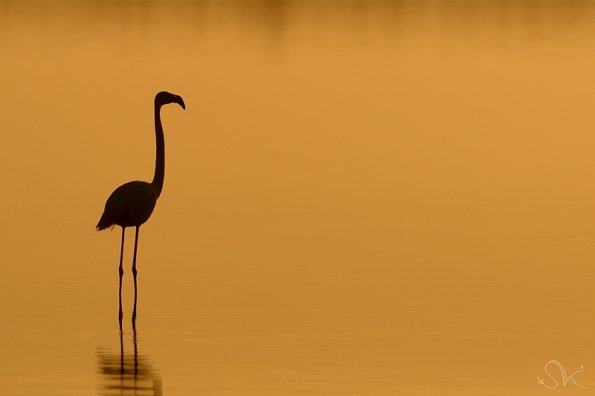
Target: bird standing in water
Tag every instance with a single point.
(131, 204)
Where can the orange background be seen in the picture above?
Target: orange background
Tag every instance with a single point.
(362, 197)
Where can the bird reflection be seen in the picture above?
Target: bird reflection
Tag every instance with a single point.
(128, 373)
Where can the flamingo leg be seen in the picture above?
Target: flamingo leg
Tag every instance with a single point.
(121, 274)
(134, 272)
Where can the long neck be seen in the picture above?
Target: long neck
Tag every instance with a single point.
(160, 152)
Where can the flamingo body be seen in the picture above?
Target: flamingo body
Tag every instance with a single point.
(130, 205)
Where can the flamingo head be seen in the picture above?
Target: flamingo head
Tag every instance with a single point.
(163, 98)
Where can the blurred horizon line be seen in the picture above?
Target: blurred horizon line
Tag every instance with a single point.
(278, 13)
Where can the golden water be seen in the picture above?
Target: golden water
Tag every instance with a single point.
(361, 198)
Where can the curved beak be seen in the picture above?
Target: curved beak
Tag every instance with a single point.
(180, 101)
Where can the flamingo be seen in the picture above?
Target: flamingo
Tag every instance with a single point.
(131, 204)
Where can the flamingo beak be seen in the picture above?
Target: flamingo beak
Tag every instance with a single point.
(180, 101)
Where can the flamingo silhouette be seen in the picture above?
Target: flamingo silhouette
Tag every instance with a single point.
(131, 204)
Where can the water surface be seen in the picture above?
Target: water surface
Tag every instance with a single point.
(360, 198)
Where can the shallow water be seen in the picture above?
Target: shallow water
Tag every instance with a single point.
(361, 198)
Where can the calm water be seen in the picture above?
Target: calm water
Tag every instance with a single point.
(361, 198)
